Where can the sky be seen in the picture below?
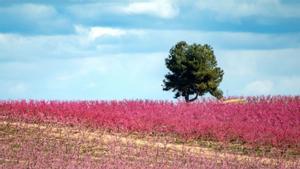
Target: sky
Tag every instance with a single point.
(106, 49)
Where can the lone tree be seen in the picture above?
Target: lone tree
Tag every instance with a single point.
(193, 71)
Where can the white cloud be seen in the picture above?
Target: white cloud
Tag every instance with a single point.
(236, 64)
(34, 18)
(90, 10)
(69, 64)
(92, 41)
(96, 32)
(114, 76)
(244, 8)
(274, 85)
(118, 63)
(260, 87)
(93, 33)
(35, 10)
(164, 9)
(250, 62)
(30, 11)
(275, 70)
(160, 8)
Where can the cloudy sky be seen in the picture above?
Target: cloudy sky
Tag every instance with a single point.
(105, 49)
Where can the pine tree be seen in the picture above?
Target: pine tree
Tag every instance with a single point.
(193, 71)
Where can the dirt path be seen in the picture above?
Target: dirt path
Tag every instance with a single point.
(106, 137)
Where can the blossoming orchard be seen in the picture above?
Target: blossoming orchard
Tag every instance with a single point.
(261, 132)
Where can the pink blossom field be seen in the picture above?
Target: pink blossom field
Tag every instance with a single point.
(263, 132)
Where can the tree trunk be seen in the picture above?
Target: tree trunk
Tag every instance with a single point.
(187, 98)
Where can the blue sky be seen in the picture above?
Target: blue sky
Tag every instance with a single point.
(106, 50)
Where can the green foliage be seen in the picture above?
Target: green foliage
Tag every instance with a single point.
(193, 71)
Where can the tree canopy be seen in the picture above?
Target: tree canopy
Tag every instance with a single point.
(193, 71)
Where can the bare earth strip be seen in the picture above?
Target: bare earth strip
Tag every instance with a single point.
(58, 131)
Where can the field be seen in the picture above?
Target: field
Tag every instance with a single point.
(263, 132)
